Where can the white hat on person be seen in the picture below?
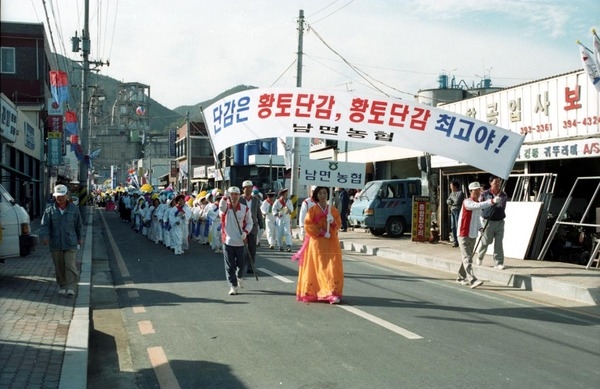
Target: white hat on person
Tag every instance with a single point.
(234, 189)
(60, 190)
(247, 183)
(474, 185)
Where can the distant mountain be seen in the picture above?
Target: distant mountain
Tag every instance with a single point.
(194, 110)
(161, 118)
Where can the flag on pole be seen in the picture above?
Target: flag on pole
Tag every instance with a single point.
(71, 119)
(132, 178)
(590, 65)
(287, 156)
(59, 86)
(95, 154)
(596, 45)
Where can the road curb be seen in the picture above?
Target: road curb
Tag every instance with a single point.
(75, 364)
(538, 284)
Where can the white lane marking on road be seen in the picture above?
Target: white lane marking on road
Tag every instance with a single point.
(385, 324)
(120, 262)
(145, 327)
(162, 369)
(139, 309)
(275, 275)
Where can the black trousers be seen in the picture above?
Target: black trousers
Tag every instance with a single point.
(251, 254)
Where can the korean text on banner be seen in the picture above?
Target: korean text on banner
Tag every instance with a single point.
(297, 112)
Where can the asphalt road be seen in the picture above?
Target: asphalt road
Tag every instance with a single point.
(169, 322)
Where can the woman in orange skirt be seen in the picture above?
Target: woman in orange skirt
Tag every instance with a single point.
(320, 272)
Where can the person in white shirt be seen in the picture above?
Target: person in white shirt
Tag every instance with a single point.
(212, 214)
(236, 225)
(306, 205)
(282, 209)
(185, 226)
(158, 215)
(252, 201)
(176, 221)
(469, 224)
(156, 231)
(267, 210)
(167, 236)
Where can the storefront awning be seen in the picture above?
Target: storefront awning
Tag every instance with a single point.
(18, 173)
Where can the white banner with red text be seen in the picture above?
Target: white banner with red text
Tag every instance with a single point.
(342, 116)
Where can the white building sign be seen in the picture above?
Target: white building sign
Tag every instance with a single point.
(554, 114)
(332, 174)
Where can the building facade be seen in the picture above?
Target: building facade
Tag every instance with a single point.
(26, 61)
(560, 120)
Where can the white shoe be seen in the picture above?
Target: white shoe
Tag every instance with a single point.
(70, 292)
(499, 267)
(62, 292)
(476, 283)
(232, 290)
(479, 262)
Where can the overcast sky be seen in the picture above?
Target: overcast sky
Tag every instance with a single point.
(189, 51)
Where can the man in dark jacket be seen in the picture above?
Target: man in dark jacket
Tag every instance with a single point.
(253, 202)
(61, 227)
(344, 208)
(454, 201)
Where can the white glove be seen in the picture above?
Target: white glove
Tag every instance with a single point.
(497, 200)
(330, 218)
(327, 235)
(244, 236)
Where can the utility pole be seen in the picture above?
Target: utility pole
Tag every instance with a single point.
(189, 152)
(299, 145)
(85, 107)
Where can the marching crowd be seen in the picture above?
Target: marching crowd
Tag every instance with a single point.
(174, 220)
(233, 223)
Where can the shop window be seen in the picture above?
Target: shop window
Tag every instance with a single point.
(7, 60)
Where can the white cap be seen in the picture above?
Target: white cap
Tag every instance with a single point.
(246, 183)
(234, 189)
(474, 185)
(60, 190)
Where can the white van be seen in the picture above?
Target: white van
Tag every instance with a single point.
(385, 206)
(16, 238)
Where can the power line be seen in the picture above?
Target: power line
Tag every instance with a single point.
(337, 10)
(347, 62)
(284, 72)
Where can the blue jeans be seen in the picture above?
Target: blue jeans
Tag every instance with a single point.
(454, 224)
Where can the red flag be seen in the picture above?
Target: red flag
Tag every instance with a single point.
(59, 86)
(71, 120)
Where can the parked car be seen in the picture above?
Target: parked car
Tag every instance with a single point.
(385, 206)
(16, 238)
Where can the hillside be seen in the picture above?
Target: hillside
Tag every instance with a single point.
(194, 110)
(161, 118)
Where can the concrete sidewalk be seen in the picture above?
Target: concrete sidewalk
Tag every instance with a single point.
(44, 337)
(564, 280)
